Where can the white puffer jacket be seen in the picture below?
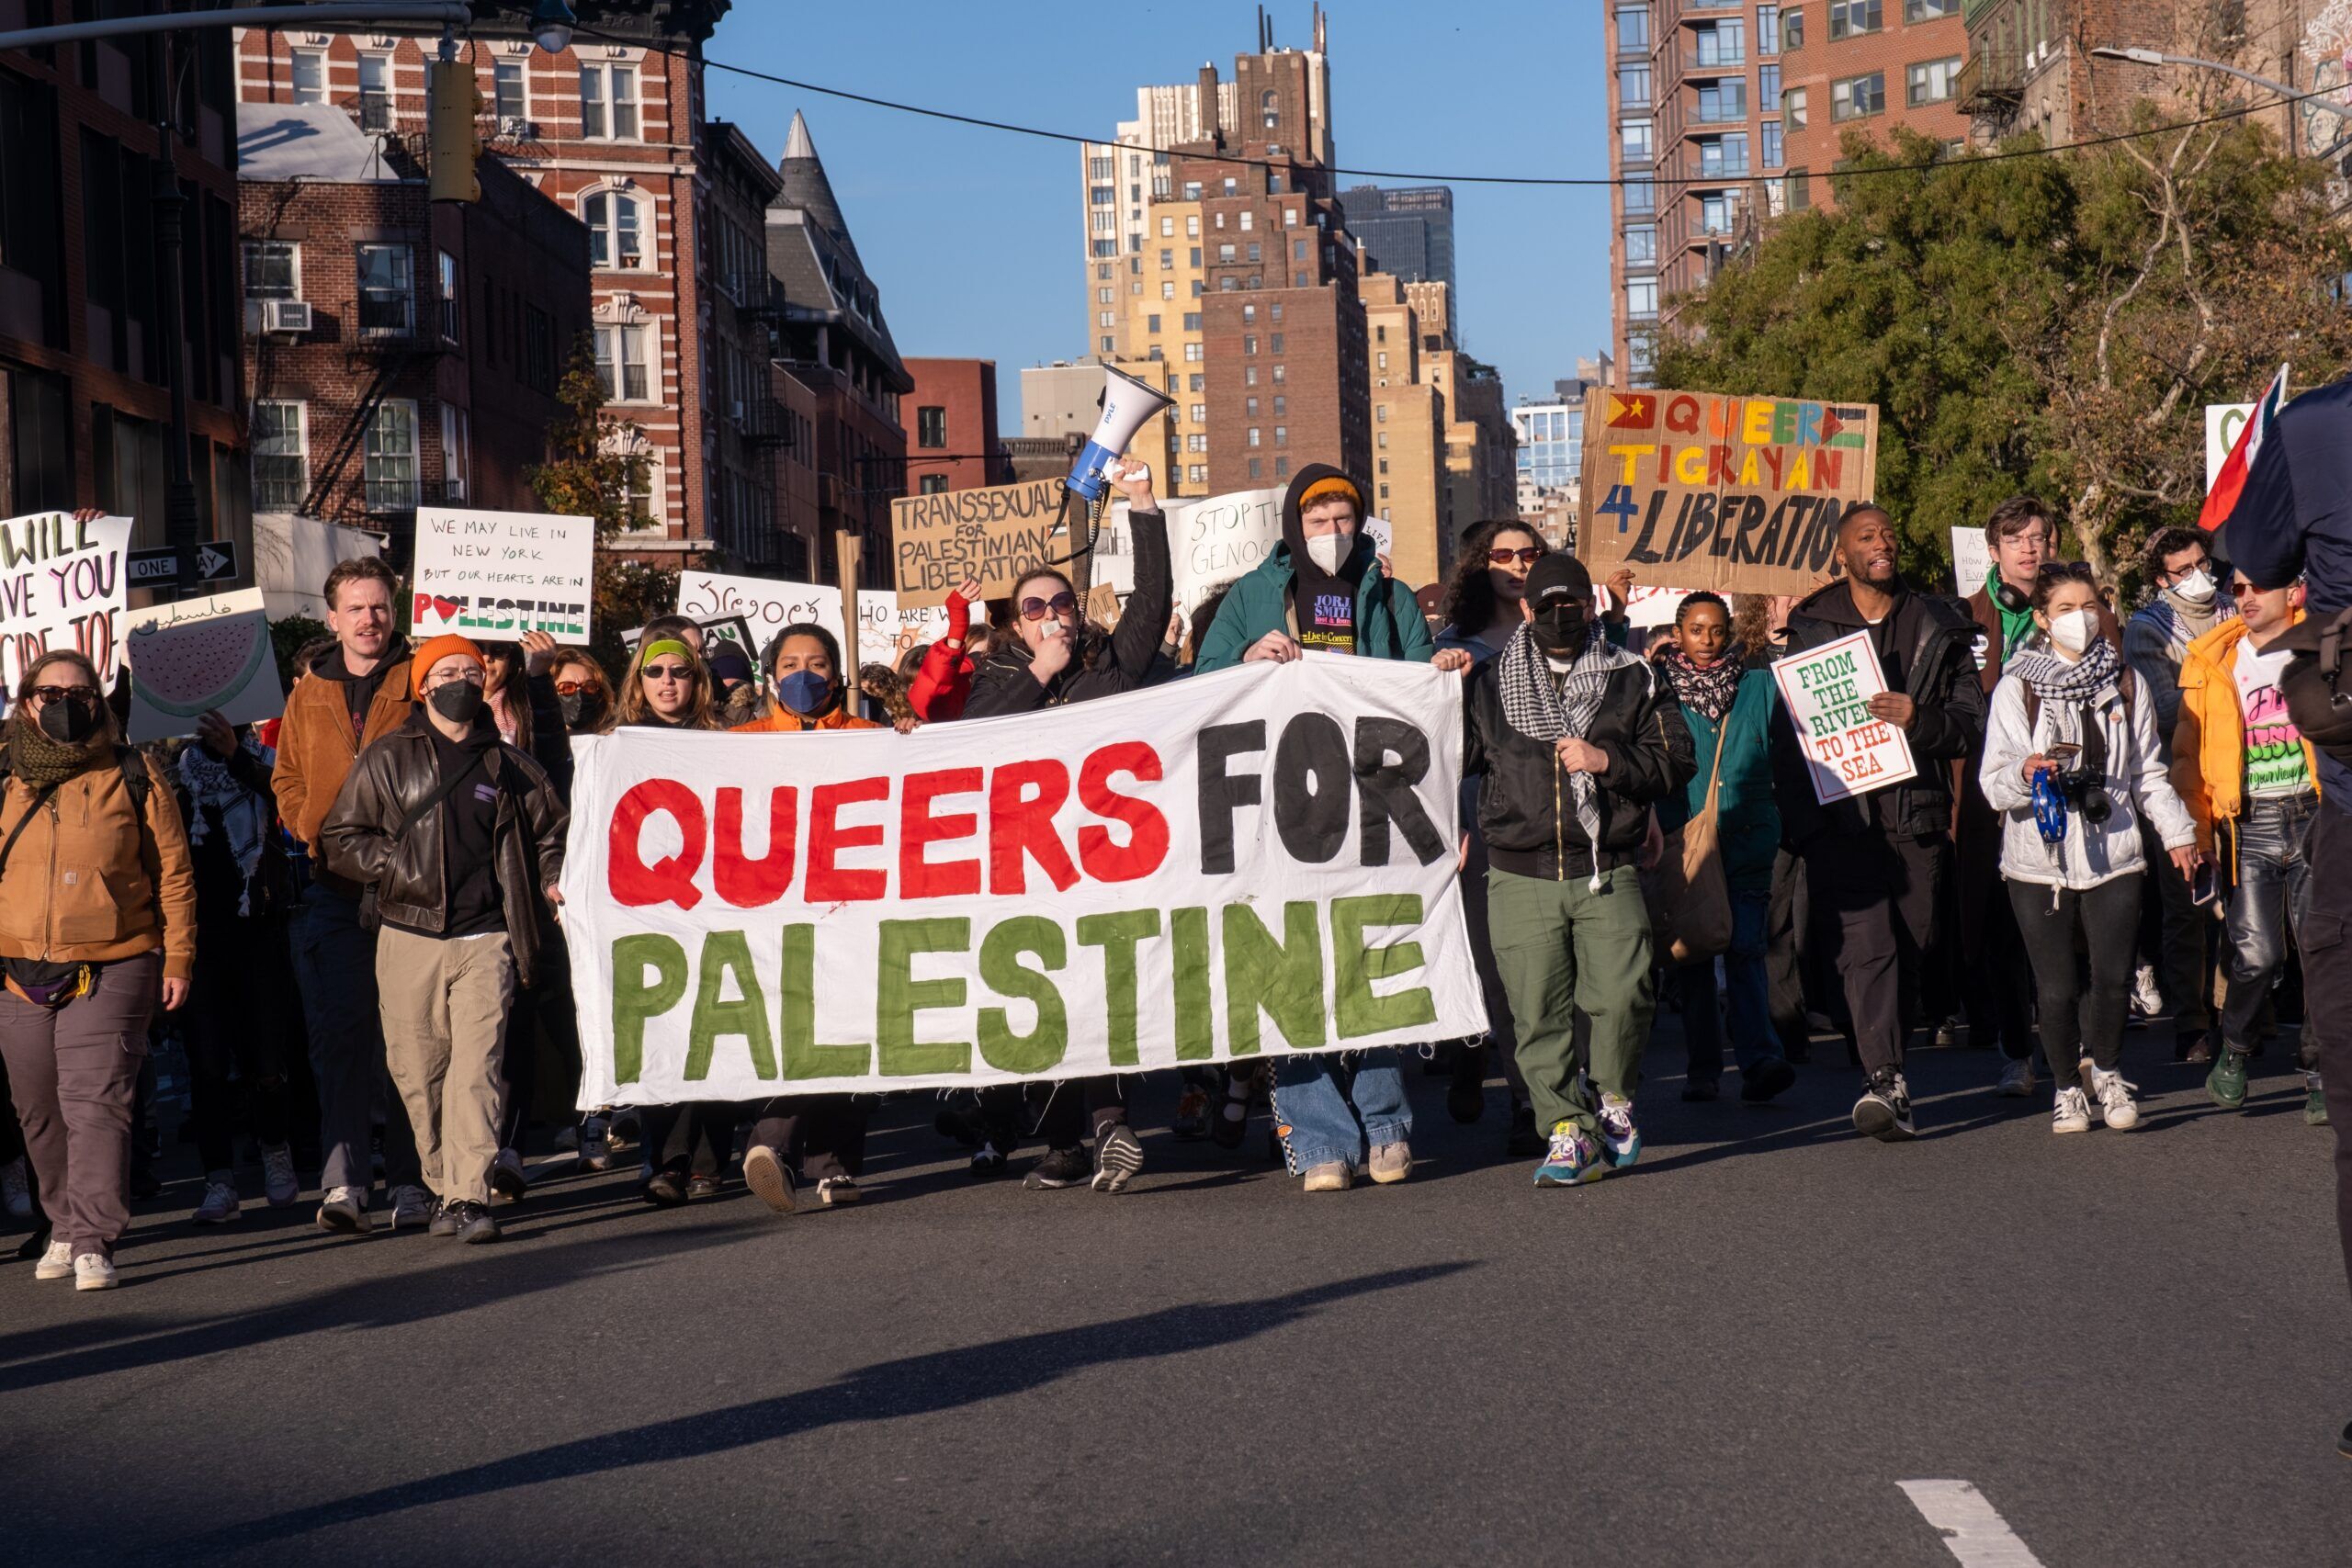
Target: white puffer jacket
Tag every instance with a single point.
(2138, 786)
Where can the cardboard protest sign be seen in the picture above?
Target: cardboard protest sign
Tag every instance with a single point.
(1212, 541)
(499, 574)
(1847, 751)
(1649, 608)
(61, 586)
(1103, 605)
(993, 535)
(183, 667)
(887, 625)
(1254, 862)
(1742, 495)
(1972, 559)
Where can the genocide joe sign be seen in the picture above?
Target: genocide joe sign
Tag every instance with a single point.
(1740, 495)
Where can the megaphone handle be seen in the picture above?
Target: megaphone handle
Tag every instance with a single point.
(1095, 509)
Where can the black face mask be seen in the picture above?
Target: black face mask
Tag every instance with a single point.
(72, 721)
(582, 710)
(458, 702)
(1562, 631)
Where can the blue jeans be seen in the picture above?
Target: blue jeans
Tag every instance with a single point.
(1746, 996)
(2273, 889)
(334, 968)
(1331, 1105)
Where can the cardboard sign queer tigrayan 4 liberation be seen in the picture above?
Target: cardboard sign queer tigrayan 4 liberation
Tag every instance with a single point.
(1742, 495)
(1847, 750)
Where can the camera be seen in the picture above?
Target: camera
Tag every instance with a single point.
(2085, 790)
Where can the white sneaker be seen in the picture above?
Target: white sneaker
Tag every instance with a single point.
(2147, 996)
(2115, 1105)
(2016, 1078)
(277, 1177)
(1621, 1140)
(92, 1272)
(57, 1263)
(344, 1210)
(16, 1191)
(219, 1204)
(2072, 1113)
(595, 1145)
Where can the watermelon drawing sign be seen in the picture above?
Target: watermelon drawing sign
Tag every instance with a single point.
(61, 586)
(1740, 495)
(499, 574)
(180, 669)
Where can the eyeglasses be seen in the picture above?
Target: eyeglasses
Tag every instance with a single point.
(1526, 556)
(1061, 603)
(64, 694)
(668, 672)
(571, 688)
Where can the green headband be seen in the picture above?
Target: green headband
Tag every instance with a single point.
(667, 645)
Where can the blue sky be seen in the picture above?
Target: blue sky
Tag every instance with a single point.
(973, 234)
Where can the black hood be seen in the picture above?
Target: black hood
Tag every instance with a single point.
(328, 665)
(1294, 532)
(1833, 603)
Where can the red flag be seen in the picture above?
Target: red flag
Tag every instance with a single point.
(2229, 483)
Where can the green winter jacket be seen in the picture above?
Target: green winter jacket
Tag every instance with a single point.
(1388, 621)
(1748, 820)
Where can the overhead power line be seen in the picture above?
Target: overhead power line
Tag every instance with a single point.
(1592, 181)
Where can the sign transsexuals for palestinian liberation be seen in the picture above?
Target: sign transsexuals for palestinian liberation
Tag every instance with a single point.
(1740, 495)
(1255, 861)
(993, 535)
(1848, 751)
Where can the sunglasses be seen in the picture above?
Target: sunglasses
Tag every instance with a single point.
(1061, 603)
(64, 694)
(1527, 555)
(669, 673)
(571, 688)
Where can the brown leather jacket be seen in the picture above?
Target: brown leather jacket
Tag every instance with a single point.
(316, 748)
(393, 777)
(88, 884)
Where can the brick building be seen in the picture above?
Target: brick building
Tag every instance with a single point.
(84, 374)
(953, 442)
(1408, 419)
(1481, 443)
(404, 351)
(1865, 68)
(614, 133)
(834, 341)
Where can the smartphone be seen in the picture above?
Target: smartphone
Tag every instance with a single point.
(2201, 888)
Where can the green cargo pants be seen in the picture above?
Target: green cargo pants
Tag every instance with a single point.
(1564, 949)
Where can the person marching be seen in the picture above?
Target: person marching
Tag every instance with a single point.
(2244, 768)
(2074, 764)
(461, 835)
(943, 682)
(817, 1138)
(1574, 739)
(97, 923)
(1050, 660)
(1728, 709)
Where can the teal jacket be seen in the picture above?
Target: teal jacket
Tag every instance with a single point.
(1748, 822)
(1388, 621)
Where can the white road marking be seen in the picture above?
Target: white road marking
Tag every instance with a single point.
(1978, 1536)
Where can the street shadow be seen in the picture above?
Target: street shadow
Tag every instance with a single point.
(887, 1391)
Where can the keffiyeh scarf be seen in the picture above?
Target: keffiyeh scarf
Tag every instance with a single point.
(1545, 709)
(211, 784)
(1710, 689)
(2068, 689)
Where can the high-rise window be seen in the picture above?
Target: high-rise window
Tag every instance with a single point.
(1858, 95)
(1724, 43)
(1917, 11)
(1724, 99)
(387, 290)
(608, 103)
(1641, 196)
(1770, 146)
(615, 232)
(1930, 82)
(1848, 18)
(1641, 298)
(1768, 29)
(1768, 88)
(1633, 86)
(1632, 29)
(281, 460)
(1633, 139)
(1793, 109)
(1641, 244)
(309, 68)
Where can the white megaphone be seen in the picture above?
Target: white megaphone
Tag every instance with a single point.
(1126, 403)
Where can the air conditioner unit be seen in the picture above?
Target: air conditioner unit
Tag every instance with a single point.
(517, 128)
(291, 316)
(735, 410)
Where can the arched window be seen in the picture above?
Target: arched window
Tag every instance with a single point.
(1270, 109)
(616, 230)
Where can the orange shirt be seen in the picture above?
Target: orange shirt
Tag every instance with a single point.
(780, 720)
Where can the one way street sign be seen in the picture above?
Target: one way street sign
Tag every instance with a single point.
(216, 560)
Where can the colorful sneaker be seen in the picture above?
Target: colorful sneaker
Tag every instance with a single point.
(1621, 1140)
(1573, 1160)
(1884, 1111)
(278, 1177)
(219, 1204)
(2115, 1104)
(2226, 1082)
(2072, 1113)
(2314, 1102)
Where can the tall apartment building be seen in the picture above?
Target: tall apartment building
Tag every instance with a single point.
(1147, 254)
(1479, 466)
(1408, 425)
(84, 296)
(1865, 68)
(614, 132)
(402, 352)
(1408, 231)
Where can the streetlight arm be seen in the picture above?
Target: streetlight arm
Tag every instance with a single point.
(432, 13)
(2158, 57)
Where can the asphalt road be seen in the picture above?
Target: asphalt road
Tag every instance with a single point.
(2134, 1345)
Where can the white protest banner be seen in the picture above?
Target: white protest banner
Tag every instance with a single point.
(61, 586)
(2222, 422)
(183, 668)
(1972, 559)
(1252, 862)
(1828, 689)
(887, 626)
(1212, 541)
(1649, 608)
(499, 574)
